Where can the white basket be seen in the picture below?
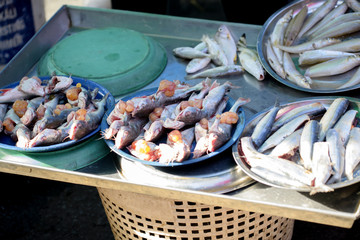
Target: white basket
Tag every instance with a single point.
(138, 216)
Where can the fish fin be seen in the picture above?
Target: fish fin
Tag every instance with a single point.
(4, 90)
(241, 42)
(321, 188)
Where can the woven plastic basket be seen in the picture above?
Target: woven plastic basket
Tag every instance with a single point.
(138, 216)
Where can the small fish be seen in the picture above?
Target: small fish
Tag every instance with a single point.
(333, 66)
(273, 61)
(13, 94)
(217, 55)
(310, 45)
(227, 43)
(197, 64)
(32, 86)
(344, 125)
(353, 4)
(249, 59)
(331, 116)
(264, 126)
(352, 153)
(288, 147)
(321, 167)
(320, 55)
(340, 30)
(30, 113)
(351, 45)
(277, 36)
(130, 132)
(114, 127)
(294, 26)
(189, 53)
(293, 74)
(57, 84)
(46, 137)
(308, 137)
(283, 132)
(219, 71)
(23, 135)
(337, 155)
(354, 80)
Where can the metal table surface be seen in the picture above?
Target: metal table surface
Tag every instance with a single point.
(340, 208)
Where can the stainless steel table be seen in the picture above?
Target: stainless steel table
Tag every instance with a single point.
(340, 208)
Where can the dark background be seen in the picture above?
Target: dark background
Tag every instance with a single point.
(32, 208)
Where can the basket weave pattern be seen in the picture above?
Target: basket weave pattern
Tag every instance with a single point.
(138, 216)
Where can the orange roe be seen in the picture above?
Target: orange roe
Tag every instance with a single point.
(167, 87)
(175, 136)
(229, 118)
(129, 106)
(141, 146)
(204, 123)
(8, 124)
(20, 107)
(73, 93)
(80, 114)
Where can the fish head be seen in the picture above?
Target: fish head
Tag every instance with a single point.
(78, 129)
(215, 141)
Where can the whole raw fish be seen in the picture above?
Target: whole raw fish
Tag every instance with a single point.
(337, 155)
(217, 54)
(308, 137)
(288, 147)
(273, 60)
(189, 53)
(293, 74)
(283, 132)
(320, 55)
(294, 26)
(340, 30)
(249, 59)
(263, 128)
(344, 125)
(310, 45)
(219, 71)
(197, 64)
(354, 80)
(227, 43)
(350, 45)
(130, 132)
(353, 4)
(352, 153)
(331, 116)
(321, 167)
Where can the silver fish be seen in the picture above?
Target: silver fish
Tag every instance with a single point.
(354, 80)
(321, 167)
(352, 153)
(275, 164)
(310, 45)
(219, 71)
(216, 53)
(331, 116)
(288, 147)
(344, 125)
(197, 64)
(308, 137)
(340, 30)
(316, 16)
(333, 66)
(273, 60)
(189, 53)
(320, 55)
(283, 132)
(350, 45)
(249, 59)
(227, 43)
(337, 155)
(294, 26)
(353, 4)
(263, 127)
(293, 74)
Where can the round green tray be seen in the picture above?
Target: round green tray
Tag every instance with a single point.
(122, 60)
(72, 158)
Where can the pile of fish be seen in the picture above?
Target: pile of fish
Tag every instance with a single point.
(220, 56)
(323, 41)
(305, 145)
(163, 126)
(36, 113)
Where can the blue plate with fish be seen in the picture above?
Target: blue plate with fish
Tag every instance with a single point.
(236, 131)
(354, 104)
(7, 143)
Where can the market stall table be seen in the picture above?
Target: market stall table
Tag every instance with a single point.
(340, 208)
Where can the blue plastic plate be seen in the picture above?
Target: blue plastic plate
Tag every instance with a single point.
(236, 131)
(7, 143)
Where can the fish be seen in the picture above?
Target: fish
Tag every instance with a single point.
(332, 115)
(333, 66)
(83, 98)
(46, 137)
(333, 14)
(130, 132)
(308, 137)
(114, 127)
(351, 45)
(293, 74)
(3, 110)
(344, 125)
(57, 84)
(220, 71)
(227, 43)
(352, 153)
(220, 132)
(273, 61)
(289, 146)
(23, 135)
(32, 86)
(279, 165)
(337, 155)
(294, 26)
(197, 64)
(30, 113)
(249, 59)
(144, 150)
(353, 4)
(279, 135)
(189, 53)
(10, 95)
(354, 80)
(277, 35)
(321, 167)
(316, 16)
(263, 128)
(320, 55)
(217, 54)
(309, 45)
(312, 109)
(342, 29)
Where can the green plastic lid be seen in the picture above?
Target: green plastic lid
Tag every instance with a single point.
(122, 60)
